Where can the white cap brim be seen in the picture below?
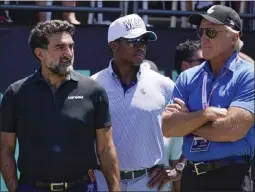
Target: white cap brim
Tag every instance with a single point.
(150, 34)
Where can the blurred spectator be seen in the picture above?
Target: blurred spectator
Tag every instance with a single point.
(126, 6)
(4, 14)
(189, 6)
(188, 54)
(202, 5)
(238, 6)
(68, 16)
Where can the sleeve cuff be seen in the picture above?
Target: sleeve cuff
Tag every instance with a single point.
(245, 105)
(105, 125)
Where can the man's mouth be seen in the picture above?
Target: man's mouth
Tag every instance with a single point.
(139, 53)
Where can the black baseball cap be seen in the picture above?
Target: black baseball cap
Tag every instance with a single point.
(219, 14)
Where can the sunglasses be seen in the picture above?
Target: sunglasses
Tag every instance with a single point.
(209, 32)
(137, 42)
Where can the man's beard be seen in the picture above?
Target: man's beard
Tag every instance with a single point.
(63, 68)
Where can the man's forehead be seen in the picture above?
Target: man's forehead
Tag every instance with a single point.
(63, 38)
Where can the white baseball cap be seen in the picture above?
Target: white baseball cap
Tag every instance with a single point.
(129, 26)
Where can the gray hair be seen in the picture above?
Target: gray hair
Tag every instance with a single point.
(239, 43)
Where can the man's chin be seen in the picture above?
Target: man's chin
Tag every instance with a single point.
(137, 63)
(62, 73)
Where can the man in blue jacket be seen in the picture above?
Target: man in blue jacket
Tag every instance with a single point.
(213, 108)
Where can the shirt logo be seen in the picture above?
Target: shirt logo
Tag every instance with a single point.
(143, 91)
(75, 97)
(133, 23)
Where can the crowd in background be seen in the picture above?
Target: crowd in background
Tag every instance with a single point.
(32, 17)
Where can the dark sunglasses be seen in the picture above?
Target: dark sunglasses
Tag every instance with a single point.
(209, 32)
(137, 42)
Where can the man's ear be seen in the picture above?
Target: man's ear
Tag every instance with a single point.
(234, 39)
(184, 65)
(39, 53)
(113, 46)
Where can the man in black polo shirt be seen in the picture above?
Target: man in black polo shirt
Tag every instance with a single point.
(56, 114)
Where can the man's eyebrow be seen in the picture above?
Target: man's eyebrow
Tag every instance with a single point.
(63, 44)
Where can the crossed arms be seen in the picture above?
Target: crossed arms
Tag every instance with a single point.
(214, 124)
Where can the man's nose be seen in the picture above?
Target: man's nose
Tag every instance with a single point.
(69, 52)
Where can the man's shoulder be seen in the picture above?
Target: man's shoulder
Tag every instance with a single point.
(87, 82)
(243, 72)
(245, 67)
(19, 84)
(101, 76)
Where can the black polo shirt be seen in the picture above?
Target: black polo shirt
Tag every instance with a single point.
(56, 130)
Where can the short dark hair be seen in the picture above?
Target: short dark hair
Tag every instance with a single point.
(184, 51)
(40, 34)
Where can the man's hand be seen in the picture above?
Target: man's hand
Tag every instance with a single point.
(178, 121)
(179, 106)
(213, 113)
(161, 175)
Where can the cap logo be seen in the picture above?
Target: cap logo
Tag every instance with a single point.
(211, 10)
(232, 22)
(133, 23)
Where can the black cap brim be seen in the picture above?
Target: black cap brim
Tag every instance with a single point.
(196, 19)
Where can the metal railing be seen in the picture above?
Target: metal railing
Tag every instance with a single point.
(150, 12)
(153, 12)
(246, 16)
(61, 8)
